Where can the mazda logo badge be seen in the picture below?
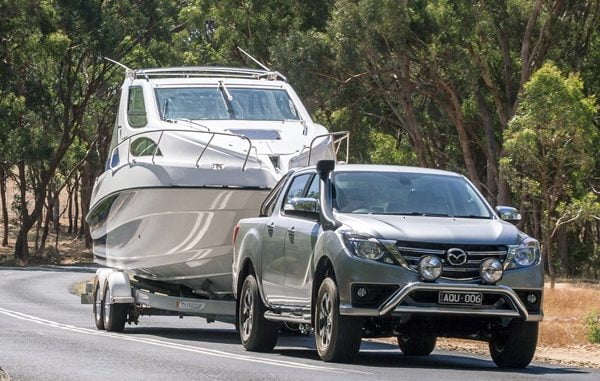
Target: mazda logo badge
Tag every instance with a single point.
(456, 257)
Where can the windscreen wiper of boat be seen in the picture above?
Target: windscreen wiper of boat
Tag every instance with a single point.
(227, 98)
(165, 110)
(175, 120)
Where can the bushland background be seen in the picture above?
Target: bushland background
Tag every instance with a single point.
(503, 91)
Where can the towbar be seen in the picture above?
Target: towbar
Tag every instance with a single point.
(392, 304)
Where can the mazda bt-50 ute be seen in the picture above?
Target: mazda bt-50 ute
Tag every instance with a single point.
(376, 251)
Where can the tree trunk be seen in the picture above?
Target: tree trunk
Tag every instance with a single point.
(3, 178)
(87, 181)
(70, 208)
(47, 221)
(21, 245)
(76, 206)
(491, 149)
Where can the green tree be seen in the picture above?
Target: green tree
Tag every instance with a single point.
(550, 146)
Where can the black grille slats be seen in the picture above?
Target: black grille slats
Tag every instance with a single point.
(413, 251)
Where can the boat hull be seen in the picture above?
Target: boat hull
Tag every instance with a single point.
(173, 234)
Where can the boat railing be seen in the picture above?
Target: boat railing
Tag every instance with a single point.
(156, 149)
(339, 138)
(208, 71)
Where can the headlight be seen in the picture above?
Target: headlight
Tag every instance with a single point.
(367, 247)
(523, 255)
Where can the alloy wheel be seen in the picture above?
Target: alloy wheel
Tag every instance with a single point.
(247, 313)
(324, 327)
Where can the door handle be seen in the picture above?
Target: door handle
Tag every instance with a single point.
(270, 228)
(292, 233)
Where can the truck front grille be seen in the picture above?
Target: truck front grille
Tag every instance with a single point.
(413, 251)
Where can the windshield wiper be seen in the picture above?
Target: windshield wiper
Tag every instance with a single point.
(175, 120)
(421, 214)
(472, 216)
(227, 98)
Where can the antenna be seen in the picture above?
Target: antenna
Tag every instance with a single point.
(253, 59)
(116, 63)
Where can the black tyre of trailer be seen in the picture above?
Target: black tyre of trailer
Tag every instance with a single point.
(115, 315)
(416, 344)
(337, 337)
(98, 307)
(256, 333)
(515, 346)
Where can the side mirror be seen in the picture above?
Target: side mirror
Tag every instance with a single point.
(302, 207)
(508, 213)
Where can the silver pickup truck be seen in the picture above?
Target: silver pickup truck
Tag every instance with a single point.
(378, 251)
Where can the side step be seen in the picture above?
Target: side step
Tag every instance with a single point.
(288, 317)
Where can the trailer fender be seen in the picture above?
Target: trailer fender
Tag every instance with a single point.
(120, 288)
(100, 281)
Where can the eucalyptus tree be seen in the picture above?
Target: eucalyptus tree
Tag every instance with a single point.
(53, 64)
(551, 149)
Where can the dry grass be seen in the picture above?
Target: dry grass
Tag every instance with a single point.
(565, 309)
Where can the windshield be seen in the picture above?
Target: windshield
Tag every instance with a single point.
(220, 103)
(406, 194)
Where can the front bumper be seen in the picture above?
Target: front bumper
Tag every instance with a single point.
(401, 303)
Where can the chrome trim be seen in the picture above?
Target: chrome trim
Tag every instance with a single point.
(456, 311)
(423, 251)
(287, 317)
(392, 303)
(488, 253)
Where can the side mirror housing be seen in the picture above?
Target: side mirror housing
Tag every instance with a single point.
(302, 207)
(508, 213)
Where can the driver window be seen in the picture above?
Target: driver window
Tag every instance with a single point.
(313, 190)
(297, 187)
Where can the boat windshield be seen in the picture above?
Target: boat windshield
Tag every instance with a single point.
(206, 103)
(408, 194)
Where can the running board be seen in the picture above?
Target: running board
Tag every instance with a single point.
(288, 317)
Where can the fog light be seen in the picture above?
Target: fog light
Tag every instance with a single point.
(531, 299)
(361, 292)
(491, 270)
(430, 267)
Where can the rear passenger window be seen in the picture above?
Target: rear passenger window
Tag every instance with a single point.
(297, 187)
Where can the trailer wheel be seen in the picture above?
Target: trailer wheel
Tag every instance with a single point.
(98, 307)
(115, 315)
(256, 333)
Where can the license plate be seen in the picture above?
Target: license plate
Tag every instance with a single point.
(460, 298)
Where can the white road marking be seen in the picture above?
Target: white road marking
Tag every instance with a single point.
(167, 344)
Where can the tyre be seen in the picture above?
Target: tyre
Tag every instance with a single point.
(337, 336)
(256, 333)
(416, 344)
(98, 307)
(115, 315)
(515, 346)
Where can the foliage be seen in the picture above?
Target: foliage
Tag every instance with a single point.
(592, 325)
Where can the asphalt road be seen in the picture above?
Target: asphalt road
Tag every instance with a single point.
(46, 334)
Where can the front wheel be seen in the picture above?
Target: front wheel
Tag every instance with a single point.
(515, 346)
(256, 333)
(337, 336)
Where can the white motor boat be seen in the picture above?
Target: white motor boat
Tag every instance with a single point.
(193, 151)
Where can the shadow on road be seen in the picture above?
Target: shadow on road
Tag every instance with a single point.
(388, 355)
(371, 354)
